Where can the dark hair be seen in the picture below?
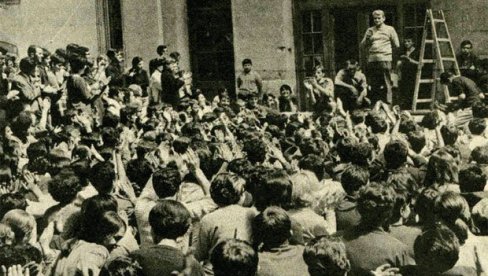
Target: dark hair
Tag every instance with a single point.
(64, 186)
(166, 182)
(480, 110)
(9, 256)
(169, 219)
(424, 205)
(246, 61)
(110, 120)
(121, 266)
(12, 201)
(161, 48)
(285, 87)
(274, 190)
(77, 64)
(436, 249)
(361, 153)
(449, 134)
(477, 126)
(271, 227)
(255, 149)
(353, 178)
(180, 145)
(27, 65)
(102, 177)
(395, 153)
(375, 204)
(326, 255)
(227, 189)
(175, 56)
(139, 171)
(471, 179)
(445, 76)
(376, 122)
(429, 121)
(345, 147)
(32, 49)
(97, 229)
(136, 61)
(480, 155)
(416, 140)
(234, 257)
(441, 169)
(407, 126)
(97, 205)
(314, 163)
(466, 42)
(453, 210)
(402, 200)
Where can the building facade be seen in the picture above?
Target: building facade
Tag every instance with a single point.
(284, 38)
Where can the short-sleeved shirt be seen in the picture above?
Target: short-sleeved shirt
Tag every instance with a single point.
(358, 80)
(249, 82)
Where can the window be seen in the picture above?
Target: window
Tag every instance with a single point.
(9, 2)
(414, 19)
(114, 16)
(313, 41)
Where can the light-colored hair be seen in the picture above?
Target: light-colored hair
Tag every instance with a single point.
(23, 225)
(379, 12)
(302, 191)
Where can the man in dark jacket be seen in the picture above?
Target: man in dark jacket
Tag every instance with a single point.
(171, 83)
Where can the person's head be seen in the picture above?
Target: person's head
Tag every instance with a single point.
(269, 100)
(446, 77)
(255, 149)
(362, 153)
(375, 204)
(424, 206)
(396, 153)
(436, 249)
(326, 255)
(234, 257)
(314, 163)
(466, 47)
(417, 140)
(137, 63)
(285, 91)
(352, 66)
(452, 209)
(169, 219)
(376, 122)
(102, 177)
(7, 236)
(247, 65)
(35, 52)
(274, 190)
(121, 266)
(345, 147)
(166, 181)
(252, 100)
(319, 71)
(64, 186)
(303, 186)
(106, 229)
(227, 189)
(472, 179)
(378, 17)
(441, 169)
(408, 42)
(115, 56)
(98, 205)
(176, 56)
(11, 201)
(27, 66)
(401, 210)
(22, 224)
(272, 227)
(449, 134)
(78, 65)
(477, 126)
(353, 178)
(139, 171)
(480, 216)
(161, 50)
(480, 155)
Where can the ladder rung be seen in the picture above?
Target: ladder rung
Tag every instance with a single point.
(440, 20)
(428, 61)
(448, 59)
(424, 100)
(427, 81)
(443, 40)
(429, 41)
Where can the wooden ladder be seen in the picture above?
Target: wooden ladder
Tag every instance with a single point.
(438, 58)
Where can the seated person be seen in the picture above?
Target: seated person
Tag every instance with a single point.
(351, 86)
(464, 88)
(436, 253)
(468, 61)
(169, 220)
(286, 102)
(272, 231)
(369, 245)
(234, 257)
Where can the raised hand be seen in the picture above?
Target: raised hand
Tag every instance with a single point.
(15, 270)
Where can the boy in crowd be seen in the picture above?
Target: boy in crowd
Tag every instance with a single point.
(249, 81)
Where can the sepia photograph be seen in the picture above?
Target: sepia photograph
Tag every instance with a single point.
(243, 137)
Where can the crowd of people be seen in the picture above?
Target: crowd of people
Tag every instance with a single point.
(121, 172)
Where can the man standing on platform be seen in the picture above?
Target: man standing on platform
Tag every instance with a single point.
(380, 40)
